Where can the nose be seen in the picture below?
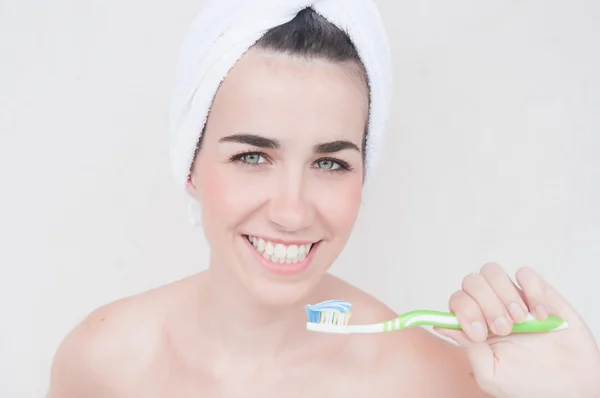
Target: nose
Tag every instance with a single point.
(290, 210)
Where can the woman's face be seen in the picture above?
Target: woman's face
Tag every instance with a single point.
(279, 175)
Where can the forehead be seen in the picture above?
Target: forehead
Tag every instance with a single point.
(283, 96)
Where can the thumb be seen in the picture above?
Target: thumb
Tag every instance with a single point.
(540, 292)
(480, 354)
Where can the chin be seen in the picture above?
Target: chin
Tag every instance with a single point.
(279, 283)
(277, 294)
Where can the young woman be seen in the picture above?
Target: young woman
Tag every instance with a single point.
(279, 176)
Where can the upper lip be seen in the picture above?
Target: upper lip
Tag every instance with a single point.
(284, 241)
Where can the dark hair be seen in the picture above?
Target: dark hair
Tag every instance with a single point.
(310, 35)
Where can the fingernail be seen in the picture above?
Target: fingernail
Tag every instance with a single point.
(516, 311)
(500, 325)
(540, 312)
(477, 331)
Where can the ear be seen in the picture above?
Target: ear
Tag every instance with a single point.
(190, 187)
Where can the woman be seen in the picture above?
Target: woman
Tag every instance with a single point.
(279, 174)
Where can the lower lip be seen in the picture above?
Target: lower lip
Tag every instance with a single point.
(283, 269)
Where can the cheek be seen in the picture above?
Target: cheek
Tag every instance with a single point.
(225, 195)
(341, 204)
(211, 190)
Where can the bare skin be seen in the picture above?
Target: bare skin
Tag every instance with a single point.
(238, 330)
(156, 344)
(281, 159)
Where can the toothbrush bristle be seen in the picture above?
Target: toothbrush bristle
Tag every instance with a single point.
(332, 317)
(333, 312)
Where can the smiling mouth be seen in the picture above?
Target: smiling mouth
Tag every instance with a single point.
(280, 253)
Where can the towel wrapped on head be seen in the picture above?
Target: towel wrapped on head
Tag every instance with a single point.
(225, 29)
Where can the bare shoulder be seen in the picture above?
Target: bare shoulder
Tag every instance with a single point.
(434, 367)
(112, 348)
(414, 361)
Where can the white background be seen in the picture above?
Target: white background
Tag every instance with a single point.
(493, 154)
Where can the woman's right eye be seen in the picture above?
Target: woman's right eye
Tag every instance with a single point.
(253, 158)
(250, 158)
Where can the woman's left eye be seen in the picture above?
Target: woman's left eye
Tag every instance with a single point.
(333, 165)
(328, 164)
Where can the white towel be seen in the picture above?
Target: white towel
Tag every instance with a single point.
(225, 29)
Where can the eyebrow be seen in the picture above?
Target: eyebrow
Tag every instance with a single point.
(335, 146)
(264, 142)
(252, 139)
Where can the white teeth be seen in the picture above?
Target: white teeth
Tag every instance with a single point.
(269, 248)
(279, 253)
(280, 250)
(292, 252)
(302, 250)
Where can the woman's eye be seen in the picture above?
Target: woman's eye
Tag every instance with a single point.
(328, 164)
(252, 158)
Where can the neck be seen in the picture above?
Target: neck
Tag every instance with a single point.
(246, 328)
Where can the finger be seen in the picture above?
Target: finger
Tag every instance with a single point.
(541, 294)
(561, 307)
(494, 311)
(534, 289)
(507, 292)
(469, 315)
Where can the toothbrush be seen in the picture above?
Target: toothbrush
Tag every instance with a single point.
(332, 316)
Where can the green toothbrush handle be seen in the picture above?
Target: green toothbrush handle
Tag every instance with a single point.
(448, 320)
(532, 325)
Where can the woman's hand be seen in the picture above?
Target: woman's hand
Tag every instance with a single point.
(563, 363)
